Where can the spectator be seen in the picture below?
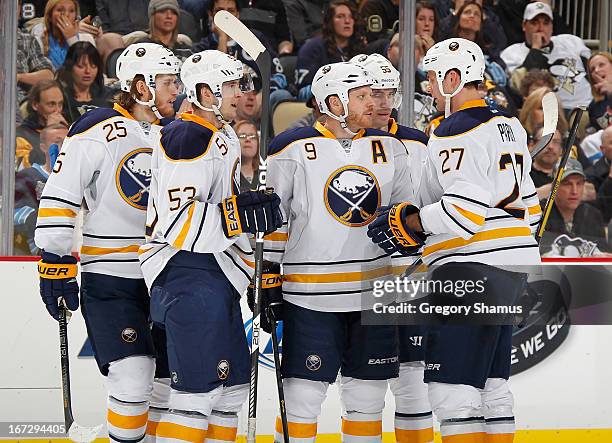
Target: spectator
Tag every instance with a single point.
(574, 228)
(381, 18)
(426, 23)
(600, 76)
(83, 82)
(29, 184)
(217, 39)
(510, 13)
(249, 148)
(270, 18)
(32, 67)
(468, 25)
(249, 104)
(123, 17)
(60, 30)
(534, 79)
(563, 55)
(544, 164)
(532, 116)
(490, 26)
(163, 28)
(342, 39)
(600, 175)
(45, 106)
(305, 18)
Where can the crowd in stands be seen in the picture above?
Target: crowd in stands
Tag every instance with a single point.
(66, 53)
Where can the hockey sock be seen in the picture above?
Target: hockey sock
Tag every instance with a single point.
(127, 421)
(222, 427)
(414, 428)
(358, 427)
(301, 430)
(463, 430)
(499, 430)
(181, 425)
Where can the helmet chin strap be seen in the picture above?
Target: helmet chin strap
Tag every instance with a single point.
(150, 103)
(448, 97)
(342, 120)
(214, 109)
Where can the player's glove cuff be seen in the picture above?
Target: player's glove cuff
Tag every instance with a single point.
(397, 223)
(231, 218)
(53, 267)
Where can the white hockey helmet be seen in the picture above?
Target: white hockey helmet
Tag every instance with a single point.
(148, 60)
(213, 68)
(455, 53)
(383, 72)
(338, 79)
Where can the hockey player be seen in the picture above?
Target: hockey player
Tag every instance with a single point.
(413, 419)
(105, 163)
(199, 260)
(478, 203)
(331, 179)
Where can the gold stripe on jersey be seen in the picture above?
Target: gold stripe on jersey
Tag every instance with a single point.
(277, 236)
(534, 210)
(121, 110)
(475, 218)
(93, 250)
(492, 234)
(180, 239)
(339, 277)
(199, 120)
(56, 212)
(328, 134)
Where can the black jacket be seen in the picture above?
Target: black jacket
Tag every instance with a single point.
(599, 175)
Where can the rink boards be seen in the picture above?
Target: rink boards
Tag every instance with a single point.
(564, 397)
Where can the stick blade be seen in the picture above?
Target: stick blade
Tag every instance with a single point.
(239, 33)
(83, 434)
(550, 108)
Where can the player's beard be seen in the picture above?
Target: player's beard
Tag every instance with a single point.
(357, 121)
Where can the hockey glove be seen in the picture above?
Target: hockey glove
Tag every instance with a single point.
(58, 280)
(271, 297)
(389, 230)
(251, 212)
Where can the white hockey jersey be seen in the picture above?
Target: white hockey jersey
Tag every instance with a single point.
(416, 144)
(329, 194)
(564, 61)
(194, 167)
(480, 203)
(105, 161)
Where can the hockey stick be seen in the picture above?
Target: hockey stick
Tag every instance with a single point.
(567, 149)
(257, 51)
(279, 380)
(550, 109)
(75, 431)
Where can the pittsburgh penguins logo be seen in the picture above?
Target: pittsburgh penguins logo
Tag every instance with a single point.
(133, 177)
(235, 178)
(223, 370)
(129, 335)
(352, 195)
(313, 362)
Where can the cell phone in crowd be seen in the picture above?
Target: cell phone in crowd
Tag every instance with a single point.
(96, 21)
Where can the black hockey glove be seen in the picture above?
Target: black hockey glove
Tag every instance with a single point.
(389, 230)
(251, 212)
(58, 280)
(271, 297)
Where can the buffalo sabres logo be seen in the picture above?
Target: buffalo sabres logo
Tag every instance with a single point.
(223, 370)
(313, 362)
(196, 58)
(129, 335)
(453, 46)
(133, 177)
(140, 52)
(352, 195)
(326, 69)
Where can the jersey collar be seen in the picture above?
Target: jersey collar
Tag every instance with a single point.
(199, 120)
(478, 103)
(392, 126)
(121, 110)
(328, 134)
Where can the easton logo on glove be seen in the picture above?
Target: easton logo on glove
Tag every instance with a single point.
(397, 226)
(232, 220)
(56, 271)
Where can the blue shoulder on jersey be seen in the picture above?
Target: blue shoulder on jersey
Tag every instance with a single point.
(465, 120)
(90, 119)
(285, 138)
(185, 140)
(372, 132)
(406, 133)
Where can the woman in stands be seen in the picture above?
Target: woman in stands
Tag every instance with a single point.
(600, 76)
(82, 80)
(249, 146)
(343, 37)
